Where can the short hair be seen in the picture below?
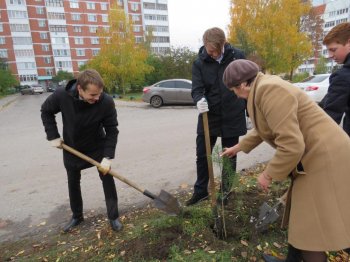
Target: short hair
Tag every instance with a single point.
(215, 37)
(89, 76)
(339, 34)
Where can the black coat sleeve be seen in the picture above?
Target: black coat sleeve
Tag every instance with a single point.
(110, 124)
(49, 109)
(336, 100)
(198, 88)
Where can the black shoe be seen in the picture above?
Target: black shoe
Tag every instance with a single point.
(196, 198)
(268, 258)
(73, 223)
(116, 225)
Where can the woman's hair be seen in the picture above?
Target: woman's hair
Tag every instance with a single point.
(339, 34)
(214, 37)
(89, 76)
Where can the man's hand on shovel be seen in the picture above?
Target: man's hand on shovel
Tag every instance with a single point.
(105, 166)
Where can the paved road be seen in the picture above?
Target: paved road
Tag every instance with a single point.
(156, 149)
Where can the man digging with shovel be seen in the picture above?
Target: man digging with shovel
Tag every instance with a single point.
(89, 125)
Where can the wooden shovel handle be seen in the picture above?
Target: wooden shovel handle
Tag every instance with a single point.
(111, 172)
(209, 159)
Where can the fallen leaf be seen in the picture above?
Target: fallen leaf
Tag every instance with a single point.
(42, 224)
(122, 253)
(277, 245)
(244, 243)
(244, 254)
(211, 251)
(20, 253)
(259, 247)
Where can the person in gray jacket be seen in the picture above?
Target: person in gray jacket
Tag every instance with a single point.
(89, 126)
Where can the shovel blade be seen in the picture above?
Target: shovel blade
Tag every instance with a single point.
(267, 215)
(168, 203)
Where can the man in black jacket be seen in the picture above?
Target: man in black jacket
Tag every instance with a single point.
(337, 100)
(226, 112)
(90, 126)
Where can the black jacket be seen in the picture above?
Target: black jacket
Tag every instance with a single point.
(89, 128)
(226, 114)
(337, 100)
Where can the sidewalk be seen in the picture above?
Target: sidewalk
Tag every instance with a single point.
(5, 101)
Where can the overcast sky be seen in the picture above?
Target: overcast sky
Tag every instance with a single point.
(188, 19)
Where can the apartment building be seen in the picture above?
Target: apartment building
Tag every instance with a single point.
(333, 13)
(38, 38)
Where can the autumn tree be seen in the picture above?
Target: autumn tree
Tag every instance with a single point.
(121, 62)
(7, 80)
(270, 31)
(62, 76)
(321, 66)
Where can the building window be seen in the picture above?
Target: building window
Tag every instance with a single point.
(61, 52)
(19, 27)
(17, 14)
(81, 63)
(76, 17)
(56, 16)
(2, 40)
(73, 4)
(58, 3)
(59, 40)
(40, 10)
(79, 40)
(17, 2)
(58, 28)
(26, 65)
(137, 28)
(43, 36)
(135, 18)
(120, 2)
(3, 53)
(60, 64)
(104, 18)
(28, 78)
(92, 18)
(95, 52)
(41, 23)
(90, 6)
(24, 53)
(49, 71)
(134, 6)
(1, 28)
(45, 48)
(77, 29)
(80, 52)
(93, 29)
(138, 39)
(95, 41)
(104, 6)
(22, 40)
(47, 60)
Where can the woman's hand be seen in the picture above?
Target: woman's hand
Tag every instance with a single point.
(231, 151)
(264, 181)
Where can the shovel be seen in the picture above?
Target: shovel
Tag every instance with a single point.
(268, 214)
(165, 201)
(218, 226)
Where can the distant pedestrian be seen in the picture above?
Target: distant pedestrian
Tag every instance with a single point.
(336, 103)
(226, 112)
(90, 126)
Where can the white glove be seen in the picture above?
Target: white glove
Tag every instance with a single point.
(202, 106)
(105, 166)
(57, 142)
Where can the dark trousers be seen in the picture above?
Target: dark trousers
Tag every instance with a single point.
(76, 201)
(201, 185)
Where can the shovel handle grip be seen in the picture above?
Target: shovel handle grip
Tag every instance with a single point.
(98, 165)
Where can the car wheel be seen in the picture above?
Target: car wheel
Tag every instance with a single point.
(156, 101)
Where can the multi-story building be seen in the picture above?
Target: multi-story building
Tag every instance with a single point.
(333, 12)
(38, 38)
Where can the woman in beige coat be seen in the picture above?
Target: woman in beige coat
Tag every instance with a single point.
(300, 131)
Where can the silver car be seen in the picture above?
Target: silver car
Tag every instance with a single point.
(170, 91)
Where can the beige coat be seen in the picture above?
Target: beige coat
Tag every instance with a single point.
(299, 130)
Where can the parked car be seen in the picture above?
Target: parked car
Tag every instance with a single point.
(26, 89)
(51, 88)
(170, 91)
(33, 89)
(37, 89)
(315, 86)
